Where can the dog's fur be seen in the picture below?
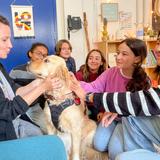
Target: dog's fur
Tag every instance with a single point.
(72, 120)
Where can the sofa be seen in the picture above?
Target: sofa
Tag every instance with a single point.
(45, 147)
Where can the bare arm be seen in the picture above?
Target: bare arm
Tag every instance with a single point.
(33, 90)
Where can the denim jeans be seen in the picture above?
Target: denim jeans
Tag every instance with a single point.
(102, 137)
(25, 129)
(138, 154)
(36, 114)
(130, 134)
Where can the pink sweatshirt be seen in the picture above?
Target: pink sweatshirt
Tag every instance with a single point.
(110, 80)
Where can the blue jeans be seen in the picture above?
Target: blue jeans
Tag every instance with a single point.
(102, 137)
(138, 154)
(25, 129)
(133, 133)
(36, 114)
(109, 139)
(141, 133)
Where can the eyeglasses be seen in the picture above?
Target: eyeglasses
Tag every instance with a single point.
(40, 54)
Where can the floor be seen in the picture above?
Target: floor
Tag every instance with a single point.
(92, 154)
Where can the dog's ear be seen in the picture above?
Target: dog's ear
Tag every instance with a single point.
(63, 73)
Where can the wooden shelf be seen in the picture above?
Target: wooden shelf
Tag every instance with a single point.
(110, 47)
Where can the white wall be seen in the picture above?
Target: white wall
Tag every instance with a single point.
(77, 39)
(93, 11)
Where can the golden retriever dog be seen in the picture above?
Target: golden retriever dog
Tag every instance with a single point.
(72, 120)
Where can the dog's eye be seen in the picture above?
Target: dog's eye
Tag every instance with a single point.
(46, 60)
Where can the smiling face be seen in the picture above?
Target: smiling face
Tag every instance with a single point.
(5, 42)
(125, 58)
(94, 61)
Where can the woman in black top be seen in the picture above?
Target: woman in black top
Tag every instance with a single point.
(15, 101)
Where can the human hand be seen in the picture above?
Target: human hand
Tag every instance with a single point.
(108, 118)
(76, 87)
(51, 83)
(73, 79)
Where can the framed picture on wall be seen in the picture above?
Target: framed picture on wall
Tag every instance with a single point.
(109, 11)
(22, 21)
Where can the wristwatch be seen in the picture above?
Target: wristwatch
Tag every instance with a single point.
(88, 97)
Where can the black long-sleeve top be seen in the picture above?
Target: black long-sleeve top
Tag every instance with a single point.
(22, 77)
(140, 103)
(71, 65)
(9, 110)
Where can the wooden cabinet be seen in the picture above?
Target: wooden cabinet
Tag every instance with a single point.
(110, 47)
(151, 44)
(103, 47)
(150, 62)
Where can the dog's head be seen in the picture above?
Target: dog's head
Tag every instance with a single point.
(50, 65)
(56, 66)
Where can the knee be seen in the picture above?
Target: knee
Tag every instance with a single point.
(99, 145)
(115, 147)
(100, 142)
(102, 137)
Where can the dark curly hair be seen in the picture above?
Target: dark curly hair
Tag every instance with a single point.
(139, 80)
(34, 46)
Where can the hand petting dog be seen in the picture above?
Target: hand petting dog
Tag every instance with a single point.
(76, 87)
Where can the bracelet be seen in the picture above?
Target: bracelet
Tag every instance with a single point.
(87, 98)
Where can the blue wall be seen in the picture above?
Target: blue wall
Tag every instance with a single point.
(45, 25)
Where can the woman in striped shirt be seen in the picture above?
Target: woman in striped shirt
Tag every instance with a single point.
(128, 75)
(140, 136)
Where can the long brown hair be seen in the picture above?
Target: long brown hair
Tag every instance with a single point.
(139, 80)
(85, 67)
